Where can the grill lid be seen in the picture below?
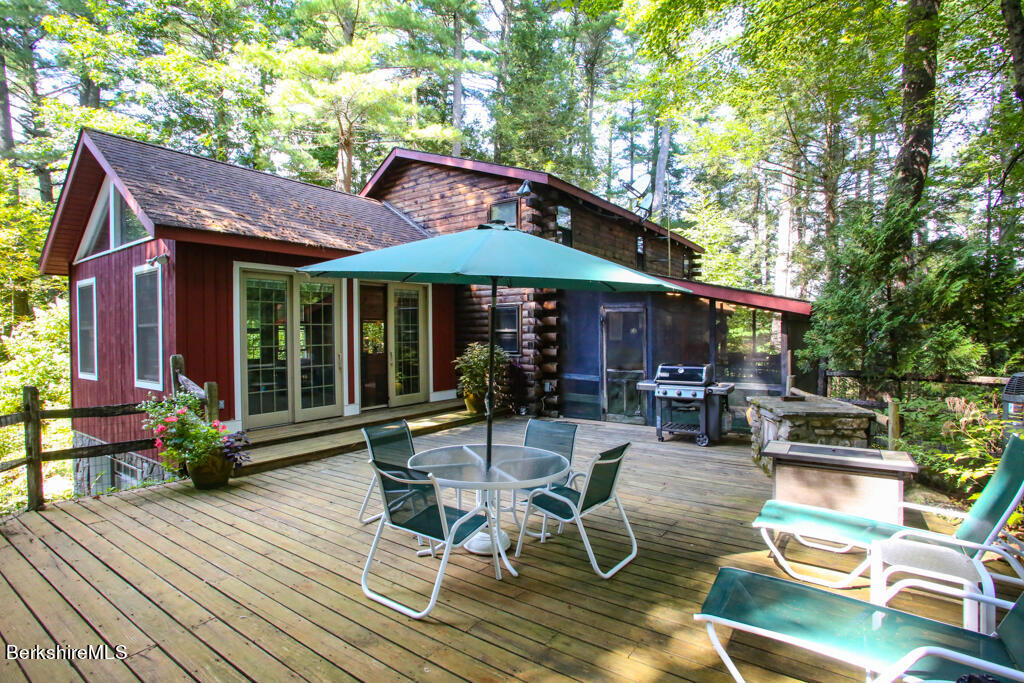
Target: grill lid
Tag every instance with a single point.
(694, 375)
(1013, 392)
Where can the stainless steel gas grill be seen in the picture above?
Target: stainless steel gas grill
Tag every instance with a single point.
(691, 398)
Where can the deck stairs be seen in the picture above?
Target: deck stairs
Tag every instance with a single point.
(284, 445)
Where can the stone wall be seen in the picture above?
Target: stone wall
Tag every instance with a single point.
(813, 420)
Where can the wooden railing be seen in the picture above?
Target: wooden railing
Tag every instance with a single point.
(32, 414)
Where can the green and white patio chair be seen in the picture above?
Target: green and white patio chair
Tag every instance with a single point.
(888, 643)
(390, 447)
(557, 437)
(938, 569)
(415, 506)
(981, 531)
(566, 504)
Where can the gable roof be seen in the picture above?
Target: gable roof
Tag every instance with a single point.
(400, 153)
(183, 196)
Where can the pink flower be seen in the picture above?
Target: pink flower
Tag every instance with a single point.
(225, 439)
(160, 429)
(181, 411)
(159, 443)
(216, 423)
(223, 428)
(170, 418)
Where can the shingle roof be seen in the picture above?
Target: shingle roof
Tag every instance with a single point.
(181, 190)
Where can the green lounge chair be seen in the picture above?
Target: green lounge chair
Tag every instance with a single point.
(892, 644)
(566, 504)
(978, 533)
(390, 446)
(414, 505)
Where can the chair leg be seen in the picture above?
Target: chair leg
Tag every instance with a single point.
(843, 582)
(522, 527)
(590, 551)
(408, 611)
(366, 499)
(720, 649)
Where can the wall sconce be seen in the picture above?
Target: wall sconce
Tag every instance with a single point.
(161, 259)
(524, 189)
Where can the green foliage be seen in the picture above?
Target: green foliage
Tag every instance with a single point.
(37, 355)
(184, 436)
(23, 224)
(473, 366)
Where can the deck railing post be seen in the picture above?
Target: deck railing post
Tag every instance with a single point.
(212, 401)
(177, 363)
(894, 421)
(33, 448)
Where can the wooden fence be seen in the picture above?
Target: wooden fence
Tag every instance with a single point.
(32, 415)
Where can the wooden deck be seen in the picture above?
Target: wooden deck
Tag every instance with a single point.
(260, 581)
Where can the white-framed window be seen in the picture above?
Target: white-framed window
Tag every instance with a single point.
(85, 328)
(147, 316)
(508, 327)
(112, 226)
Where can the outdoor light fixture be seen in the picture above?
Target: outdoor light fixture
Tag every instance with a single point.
(524, 189)
(162, 259)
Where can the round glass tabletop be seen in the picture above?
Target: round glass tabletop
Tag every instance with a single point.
(512, 467)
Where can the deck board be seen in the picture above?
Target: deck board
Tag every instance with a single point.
(261, 580)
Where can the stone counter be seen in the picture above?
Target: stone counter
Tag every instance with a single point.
(812, 420)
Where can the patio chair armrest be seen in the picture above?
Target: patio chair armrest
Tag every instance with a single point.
(935, 510)
(464, 518)
(897, 669)
(949, 541)
(573, 477)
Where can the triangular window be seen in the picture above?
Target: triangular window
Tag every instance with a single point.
(99, 231)
(127, 226)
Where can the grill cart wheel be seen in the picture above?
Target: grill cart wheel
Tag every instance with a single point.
(702, 439)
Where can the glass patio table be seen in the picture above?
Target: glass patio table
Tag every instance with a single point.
(512, 467)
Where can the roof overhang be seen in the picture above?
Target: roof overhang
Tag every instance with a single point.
(399, 153)
(745, 297)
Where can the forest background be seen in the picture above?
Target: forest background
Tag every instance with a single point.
(863, 154)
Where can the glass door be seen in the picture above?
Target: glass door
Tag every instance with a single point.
(407, 344)
(623, 363)
(318, 355)
(266, 392)
(373, 345)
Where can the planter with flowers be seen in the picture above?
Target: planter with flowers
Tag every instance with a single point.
(187, 440)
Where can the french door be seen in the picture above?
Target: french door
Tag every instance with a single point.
(407, 344)
(291, 362)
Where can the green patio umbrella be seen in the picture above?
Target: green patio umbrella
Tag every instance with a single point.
(492, 254)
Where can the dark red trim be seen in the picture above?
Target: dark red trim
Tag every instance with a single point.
(109, 170)
(55, 221)
(242, 242)
(518, 174)
(745, 297)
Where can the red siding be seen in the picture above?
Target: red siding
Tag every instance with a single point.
(443, 301)
(206, 332)
(115, 381)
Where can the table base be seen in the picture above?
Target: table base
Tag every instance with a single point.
(480, 544)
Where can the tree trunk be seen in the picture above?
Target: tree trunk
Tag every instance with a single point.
(659, 205)
(786, 232)
(88, 93)
(1014, 19)
(457, 85)
(918, 111)
(6, 130)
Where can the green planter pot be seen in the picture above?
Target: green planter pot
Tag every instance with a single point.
(211, 474)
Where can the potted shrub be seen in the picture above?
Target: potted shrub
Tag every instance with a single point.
(472, 366)
(187, 440)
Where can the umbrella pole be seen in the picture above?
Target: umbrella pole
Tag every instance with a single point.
(490, 370)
